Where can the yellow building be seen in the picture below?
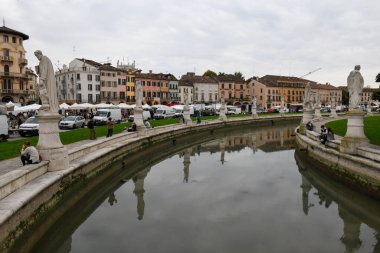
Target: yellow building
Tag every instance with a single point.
(131, 85)
(13, 76)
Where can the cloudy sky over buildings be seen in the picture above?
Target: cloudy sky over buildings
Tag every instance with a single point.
(256, 37)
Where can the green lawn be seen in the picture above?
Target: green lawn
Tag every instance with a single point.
(12, 149)
(371, 128)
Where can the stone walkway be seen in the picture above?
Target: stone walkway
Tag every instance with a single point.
(15, 163)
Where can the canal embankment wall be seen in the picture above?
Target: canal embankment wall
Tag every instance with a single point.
(361, 171)
(26, 195)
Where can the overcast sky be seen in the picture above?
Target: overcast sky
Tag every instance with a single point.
(256, 37)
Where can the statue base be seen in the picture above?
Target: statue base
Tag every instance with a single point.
(307, 116)
(355, 136)
(333, 113)
(186, 117)
(317, 114)
(254, 113)
(49, 143)
(138, 118)
(222, 114)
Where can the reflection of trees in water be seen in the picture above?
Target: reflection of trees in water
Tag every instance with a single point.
(354, 208)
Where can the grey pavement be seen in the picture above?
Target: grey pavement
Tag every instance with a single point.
(15, 163)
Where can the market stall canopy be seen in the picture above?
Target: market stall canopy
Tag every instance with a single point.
(27, 108)
(146, 106)
(76, 106)
(9, 104)
(124, 106)
(64, 106)
(102, 105)
(87, 105)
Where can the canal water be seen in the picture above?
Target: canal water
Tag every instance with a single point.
(233, 191)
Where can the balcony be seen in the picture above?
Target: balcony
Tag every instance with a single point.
(13, 75)
(8, 59)
(15, 92)
(22, 62)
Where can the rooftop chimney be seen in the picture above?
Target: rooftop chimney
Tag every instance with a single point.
(150, 71)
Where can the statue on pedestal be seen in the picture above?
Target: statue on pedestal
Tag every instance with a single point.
(47, 84)
(307, 98)
(355, 84)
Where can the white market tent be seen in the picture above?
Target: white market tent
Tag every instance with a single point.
(9, 104)
(87, 105)
(146, 106)
(103, 105)
(124, 106)
(64, 106)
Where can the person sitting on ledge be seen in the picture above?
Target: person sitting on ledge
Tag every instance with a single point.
(309, 126)
(330, 134)
(29, 154)
(133, 128)
(323, 136)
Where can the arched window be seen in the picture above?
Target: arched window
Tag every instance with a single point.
(6, 68)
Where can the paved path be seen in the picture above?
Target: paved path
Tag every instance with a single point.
(15, 163)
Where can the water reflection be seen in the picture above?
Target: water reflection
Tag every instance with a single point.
(353, 208)
(221, 192)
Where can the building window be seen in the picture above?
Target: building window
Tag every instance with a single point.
(229, 86)
(114, 94)
(97, 78)
(5, 52)
(89, 98)
(90, 87)
(14, 40)
(79, 86)
(122, 95)
(97, 97)
(97, 87)
(79, 98)
(89, 77)
(5, 39)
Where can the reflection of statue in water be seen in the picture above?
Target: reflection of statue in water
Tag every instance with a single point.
(112, 199)
(355, 84)
(139, 191)
(307, 98)
(47, 84)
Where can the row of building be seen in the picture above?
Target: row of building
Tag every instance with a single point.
(85, 80)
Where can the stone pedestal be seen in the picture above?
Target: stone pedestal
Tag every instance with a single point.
(317, 113)
(333, 113)
(354, 137)
(138, 118)
(222, 114)
(306, 117)
(49, 143)
(254, 113)
(186, 116)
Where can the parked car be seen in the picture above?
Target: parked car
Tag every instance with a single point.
(272, 110)
(325, 109)
(29, 127)
(72, 122)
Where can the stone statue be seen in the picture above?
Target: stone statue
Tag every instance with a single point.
(222, 99)
(139, 93)
(254, 103)
(186, 99)
(355, 84)
(47, 84)
(307, 98)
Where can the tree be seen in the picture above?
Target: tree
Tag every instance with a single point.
(376, 95)
(210, 73)
(239, 75)
(252, 78)
(345, 97)
(378, 78)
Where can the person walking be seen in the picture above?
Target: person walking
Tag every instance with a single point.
(29, 154)
(91, 127)
(110, 124)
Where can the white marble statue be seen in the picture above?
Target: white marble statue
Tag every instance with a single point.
(47, 84)
(307, 97)
(222, 99)
(186, 99)
(355, 84)
(254, 102)
(139, 93)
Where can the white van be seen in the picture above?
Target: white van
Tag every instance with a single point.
(29, 127)
(233, 110)
(4, 134)
(164, 113)
(145, 114)
(102, 115)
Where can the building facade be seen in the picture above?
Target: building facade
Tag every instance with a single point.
(205, 89)
(79, 83)
(14, 78)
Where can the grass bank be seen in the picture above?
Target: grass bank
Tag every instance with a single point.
(371, 128)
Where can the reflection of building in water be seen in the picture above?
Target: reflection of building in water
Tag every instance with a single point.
(354, 208)
(139, 190)
(268, 140)
(186, 165)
